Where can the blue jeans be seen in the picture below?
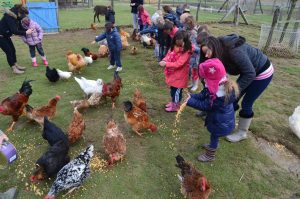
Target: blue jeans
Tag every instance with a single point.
(135, 20)
(176, 94)
(39, 48)
(115, 58)
(251, 93)
(214, 141)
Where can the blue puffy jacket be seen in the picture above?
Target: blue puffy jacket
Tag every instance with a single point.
(220, 119)
(113, 39)
(173, 17)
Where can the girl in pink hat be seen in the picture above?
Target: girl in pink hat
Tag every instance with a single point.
(176, 65)
(216, 98)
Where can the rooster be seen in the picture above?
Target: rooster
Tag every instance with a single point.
(114, 142)
(72, 175)
(112, 89)
(194, 184)
(38, 114)
(139, 101)
(137, 118)
(103, 51)
(134, 50)
(15, 104)
(87, 53)
(51, 162)
(76, 127)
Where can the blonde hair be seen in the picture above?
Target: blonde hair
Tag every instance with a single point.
(231, 86)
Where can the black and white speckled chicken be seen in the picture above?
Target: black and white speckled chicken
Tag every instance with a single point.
(72, 175)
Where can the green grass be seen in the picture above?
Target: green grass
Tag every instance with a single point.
(148, 170)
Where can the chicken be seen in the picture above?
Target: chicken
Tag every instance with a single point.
(87, 53)
(135, 36)
(112, 89)
(194, 184)
(137, 118)
(124, 35)
(52, 133)
(52, 74)
(14, 105)
(147, 41)
(139, 101)
(294, 122)
(103, 51)
(76, 127)
(72, 175)
(51, 162)
(134, 50)
(90, 86)
(88, 60)
(76, 62)
(114, 142)
(93, 26)
(93, 100)
(38, 114)
(63, 74)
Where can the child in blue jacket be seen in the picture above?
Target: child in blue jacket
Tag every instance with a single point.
(216, 99)
(114, 45)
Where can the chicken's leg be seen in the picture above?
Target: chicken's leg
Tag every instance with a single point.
(70, 191)
(10, 129)
(113, 105)
(137, 133)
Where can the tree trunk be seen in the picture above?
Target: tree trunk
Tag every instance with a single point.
(293, 5)
(274, 22)
(295, 29)
(198, 8)
(112, 3)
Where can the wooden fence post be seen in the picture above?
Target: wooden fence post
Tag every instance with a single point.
(198, 8)
(295, 29)
(290, 13)
(274, 22)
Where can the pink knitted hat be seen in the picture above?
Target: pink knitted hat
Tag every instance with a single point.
(214, 73)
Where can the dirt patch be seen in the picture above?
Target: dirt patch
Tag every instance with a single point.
(279, 154)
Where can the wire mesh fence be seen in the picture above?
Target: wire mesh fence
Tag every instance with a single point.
(283, 43)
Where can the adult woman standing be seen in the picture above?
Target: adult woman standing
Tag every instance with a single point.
(255, 74)
(11, 24)
(134, 10)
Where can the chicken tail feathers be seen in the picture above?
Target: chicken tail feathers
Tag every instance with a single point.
(26, 88)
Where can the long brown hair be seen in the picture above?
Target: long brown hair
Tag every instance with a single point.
(215, 45)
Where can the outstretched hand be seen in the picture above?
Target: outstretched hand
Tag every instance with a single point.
(162, 63)
(93, 42)
(2, 138)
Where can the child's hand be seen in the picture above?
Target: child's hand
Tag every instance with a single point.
(29, 32)
(162, 63)
(3, 137)
(93, 42)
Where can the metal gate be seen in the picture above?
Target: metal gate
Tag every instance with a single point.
(45, 14)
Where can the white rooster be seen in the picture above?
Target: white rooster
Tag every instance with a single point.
(294, 121)
(90, 87)
(63, 74)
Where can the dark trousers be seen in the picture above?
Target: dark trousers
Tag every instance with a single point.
(176, 94)
(162, 52)
(39, 48)
(8, 47)
(115, 58)
(251, 93)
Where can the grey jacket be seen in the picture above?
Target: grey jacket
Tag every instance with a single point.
(239, 58)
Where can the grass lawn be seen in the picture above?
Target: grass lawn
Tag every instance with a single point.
(148, 170)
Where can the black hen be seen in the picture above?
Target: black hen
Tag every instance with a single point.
(85, 51)
(49, 164)
(52, 74)
(52, 133)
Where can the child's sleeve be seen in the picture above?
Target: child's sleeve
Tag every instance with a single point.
(203, 104)
(100, 37)
(40, 31)
(150, 29)
(118, 41)
(183, 59)
(24, 39)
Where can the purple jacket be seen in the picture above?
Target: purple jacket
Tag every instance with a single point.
(36, 37)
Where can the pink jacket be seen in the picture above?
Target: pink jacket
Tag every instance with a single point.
(145, 17)
(173, 32)
(36, 37)
(177, 67)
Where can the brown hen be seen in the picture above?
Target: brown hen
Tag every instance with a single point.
(76, 127)
(139, 101)
(112, 89)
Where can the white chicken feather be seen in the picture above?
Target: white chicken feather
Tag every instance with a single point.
(294, 122)
(90, 86)
(63, 74)
(88, 60)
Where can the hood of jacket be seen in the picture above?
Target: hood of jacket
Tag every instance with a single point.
(232, 41)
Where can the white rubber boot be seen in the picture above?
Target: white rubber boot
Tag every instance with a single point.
(195, 85)
(241, 134)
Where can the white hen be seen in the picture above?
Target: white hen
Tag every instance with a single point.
(90, 86)
(88, 60)
(63, 74)
(294, 121)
